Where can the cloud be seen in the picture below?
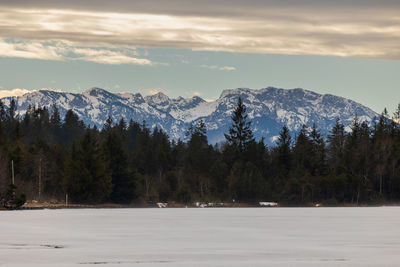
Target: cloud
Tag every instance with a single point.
(32, 50)
(14, 92)
(359, 28)
(22, 91)
(52, 89)
(228, 68)
(107, 57)
(237, 8)
(214, 67)
(197, 93)
(211, 67)
(62, 51)
(152, 91)
(193, 93)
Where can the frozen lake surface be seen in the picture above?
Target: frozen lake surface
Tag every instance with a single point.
(201, 237)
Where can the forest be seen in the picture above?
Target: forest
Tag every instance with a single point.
(127, 162)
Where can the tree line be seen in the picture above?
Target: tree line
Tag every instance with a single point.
(127, 162)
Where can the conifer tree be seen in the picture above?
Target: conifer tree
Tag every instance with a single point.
(73, 128)
(3, 135)
(336, 141)
(318, 151)
(87, 177)
(122, 125)
(2, 112)
(55, 125)
(284, 144)
(302, 150)
(108, 124)
(396, 115)
(240, 133)
(55, 118)
(12, 109)
(199, 159)
(123, 180)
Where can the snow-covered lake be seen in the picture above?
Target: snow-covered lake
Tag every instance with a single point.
(201, 237)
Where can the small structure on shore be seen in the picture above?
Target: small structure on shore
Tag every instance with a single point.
(200, 204)
(268, 204)
(162, 205)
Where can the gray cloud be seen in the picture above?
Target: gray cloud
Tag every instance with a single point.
(357, 28)
(60, 51)
(14, 92)
(213, 8)
(215, 67)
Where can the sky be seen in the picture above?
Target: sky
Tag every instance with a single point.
(187, 47)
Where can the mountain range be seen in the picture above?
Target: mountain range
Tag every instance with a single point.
(269, 109)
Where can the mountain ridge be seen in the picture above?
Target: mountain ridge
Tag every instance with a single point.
(269, 109)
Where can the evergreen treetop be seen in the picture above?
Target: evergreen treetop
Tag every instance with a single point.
(240, 134)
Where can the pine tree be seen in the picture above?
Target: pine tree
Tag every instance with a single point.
(55, 125)
(336, 141)
(86, 176)
(12, 121)
(198, 129)
(382, 146)
(55, 118)
(12, 110)
(199, 159)
(122, 125)
(124, 181)
(396, 115)
(2, 112)
(72, 128)
(132, 134)
(318, 151)
(3, 135)
(198, 134)
(240, 133)
(302, 150)
(284, 144)
(108, 124)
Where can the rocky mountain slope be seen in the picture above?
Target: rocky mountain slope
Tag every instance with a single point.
(269, 109)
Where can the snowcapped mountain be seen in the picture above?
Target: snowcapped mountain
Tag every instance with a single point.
(269, 109)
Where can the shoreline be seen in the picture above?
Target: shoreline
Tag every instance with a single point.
(42, 206)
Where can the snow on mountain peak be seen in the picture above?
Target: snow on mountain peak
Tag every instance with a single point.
(237, 91)
(95, 91)
(269, 109)
(158, 98)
